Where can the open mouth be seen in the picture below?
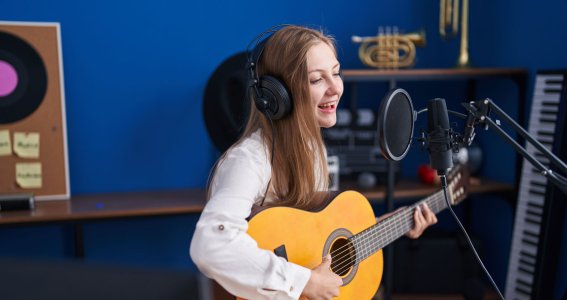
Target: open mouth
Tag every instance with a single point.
(328, 106)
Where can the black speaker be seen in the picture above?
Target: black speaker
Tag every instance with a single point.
(437, 264)
(269, 93)
(17, 202)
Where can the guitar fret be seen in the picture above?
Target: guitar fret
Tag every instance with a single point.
(387, 231)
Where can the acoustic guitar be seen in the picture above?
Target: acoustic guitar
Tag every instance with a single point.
(347, 229)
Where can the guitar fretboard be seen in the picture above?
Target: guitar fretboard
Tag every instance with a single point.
(390, 229)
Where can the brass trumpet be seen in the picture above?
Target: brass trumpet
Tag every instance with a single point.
(449, 18)
(389, 49)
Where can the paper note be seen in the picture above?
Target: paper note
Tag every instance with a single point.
(5, 145)
(28, 175)
(26, 145)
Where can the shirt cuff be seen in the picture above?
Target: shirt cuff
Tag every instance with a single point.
(299, 280)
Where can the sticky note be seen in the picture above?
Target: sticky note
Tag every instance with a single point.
(28, 175)
(5, 144)
(26, 145)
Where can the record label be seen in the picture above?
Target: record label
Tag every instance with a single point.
(23, 79)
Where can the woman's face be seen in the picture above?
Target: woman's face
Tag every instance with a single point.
(325, 83)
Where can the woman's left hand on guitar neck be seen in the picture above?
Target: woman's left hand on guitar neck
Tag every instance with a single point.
(423, 217)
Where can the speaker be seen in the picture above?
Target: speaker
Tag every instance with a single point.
(269, 94)
(437, 263)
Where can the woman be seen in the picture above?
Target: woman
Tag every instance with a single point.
(290, 174)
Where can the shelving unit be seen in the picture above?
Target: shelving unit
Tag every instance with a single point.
(405, 188)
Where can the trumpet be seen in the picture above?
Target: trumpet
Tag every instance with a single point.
(389, 49)
(449, 18)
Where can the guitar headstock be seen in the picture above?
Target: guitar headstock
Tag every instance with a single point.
(458, 181)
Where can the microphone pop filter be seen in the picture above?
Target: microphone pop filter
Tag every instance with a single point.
(395, 124)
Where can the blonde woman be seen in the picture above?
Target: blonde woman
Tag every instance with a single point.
(290, 174)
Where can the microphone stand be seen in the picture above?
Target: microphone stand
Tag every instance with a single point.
(480, 111)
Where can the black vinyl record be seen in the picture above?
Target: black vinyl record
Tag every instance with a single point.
(24, 77)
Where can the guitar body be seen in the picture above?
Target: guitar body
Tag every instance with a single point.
(306, 237)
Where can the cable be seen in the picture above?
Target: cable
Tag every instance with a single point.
(272, 156)
(444, 185)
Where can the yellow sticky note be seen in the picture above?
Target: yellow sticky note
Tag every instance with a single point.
(28, 175)
(5, 144)
(26, 145)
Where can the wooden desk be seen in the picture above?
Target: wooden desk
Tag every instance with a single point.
(114, 205)
(175, 202)
(79, 209)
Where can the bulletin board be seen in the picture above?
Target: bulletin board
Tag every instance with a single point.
(33, 138)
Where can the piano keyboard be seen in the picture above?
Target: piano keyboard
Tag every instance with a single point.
(531, 198)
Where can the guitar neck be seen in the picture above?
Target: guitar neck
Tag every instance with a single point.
(390, 229)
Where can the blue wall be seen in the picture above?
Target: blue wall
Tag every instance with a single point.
(135, 72)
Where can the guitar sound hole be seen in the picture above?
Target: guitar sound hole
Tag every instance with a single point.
(343, 256)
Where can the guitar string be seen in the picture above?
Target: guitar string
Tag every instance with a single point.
(391, 223)
(376, 235)
(385, 225)
(364, 249)
(436, 205)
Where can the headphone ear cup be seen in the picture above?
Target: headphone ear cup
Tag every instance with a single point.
(277, 97)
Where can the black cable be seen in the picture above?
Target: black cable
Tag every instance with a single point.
(272, 157)
(444, 185)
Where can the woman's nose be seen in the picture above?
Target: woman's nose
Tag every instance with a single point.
(336, 86)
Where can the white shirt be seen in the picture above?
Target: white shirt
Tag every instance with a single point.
(222, 249)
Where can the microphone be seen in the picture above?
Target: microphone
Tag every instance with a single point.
(439, 141)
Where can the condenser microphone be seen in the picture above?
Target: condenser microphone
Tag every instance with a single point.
(439, 136)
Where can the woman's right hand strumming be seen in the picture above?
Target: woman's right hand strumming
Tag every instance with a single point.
(323, 283)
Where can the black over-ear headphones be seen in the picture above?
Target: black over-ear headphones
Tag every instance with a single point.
(270, 94)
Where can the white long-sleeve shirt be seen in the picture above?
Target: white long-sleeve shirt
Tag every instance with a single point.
(222, 249)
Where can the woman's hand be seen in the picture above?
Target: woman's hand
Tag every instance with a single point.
(323, 283)
(423, 217)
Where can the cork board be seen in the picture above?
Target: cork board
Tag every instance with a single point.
(33, 141)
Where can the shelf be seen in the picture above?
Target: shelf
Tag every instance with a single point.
(431, 74)
(405, 189)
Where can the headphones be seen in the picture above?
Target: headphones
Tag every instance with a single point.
(269, 94)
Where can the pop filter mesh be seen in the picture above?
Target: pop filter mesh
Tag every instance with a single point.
(395, 121)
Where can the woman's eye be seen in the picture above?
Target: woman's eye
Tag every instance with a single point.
(314, 81)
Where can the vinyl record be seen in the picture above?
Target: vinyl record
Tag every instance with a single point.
(23, 79)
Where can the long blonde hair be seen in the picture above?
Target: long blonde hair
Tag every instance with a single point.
(299, 167)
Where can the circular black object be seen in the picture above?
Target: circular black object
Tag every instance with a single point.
(225, 105)
(32, 79)
(395, 124)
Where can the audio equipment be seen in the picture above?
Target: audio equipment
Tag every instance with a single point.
(439, 136)
(268, 93)
(354, 141)
(396, 119)
(540, 210)
(389, 49)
